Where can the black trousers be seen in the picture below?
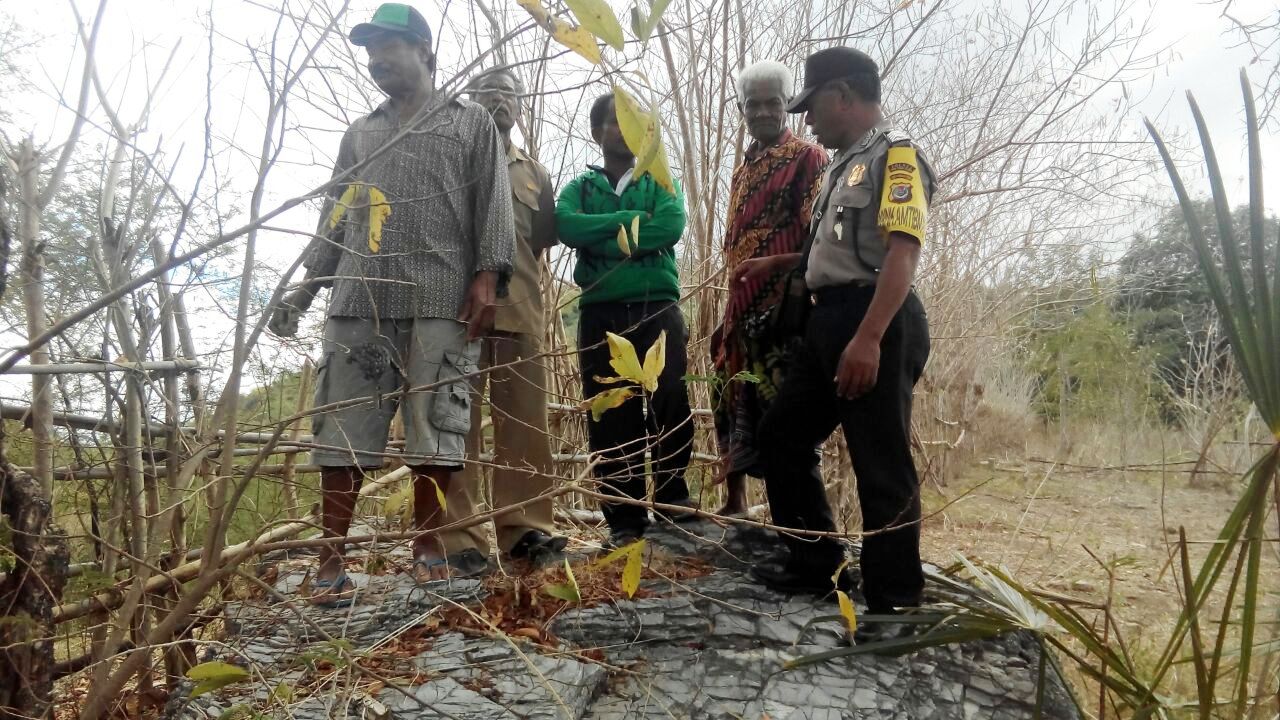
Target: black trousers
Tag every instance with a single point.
(624, 433)
(877, 429)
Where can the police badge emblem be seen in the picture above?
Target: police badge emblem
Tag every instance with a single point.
(855, 175)
(900, 193)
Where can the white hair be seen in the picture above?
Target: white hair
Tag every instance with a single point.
(766, 71)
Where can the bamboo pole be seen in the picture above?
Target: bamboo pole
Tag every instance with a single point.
(110, 599)
(102, 473)
(80, 421)
(149, 366)
(295, 432)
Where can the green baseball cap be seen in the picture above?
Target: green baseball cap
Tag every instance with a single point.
(392, 17)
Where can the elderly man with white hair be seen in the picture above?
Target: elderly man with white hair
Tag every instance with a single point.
(769, 212)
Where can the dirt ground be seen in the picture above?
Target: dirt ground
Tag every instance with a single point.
(1046, 524)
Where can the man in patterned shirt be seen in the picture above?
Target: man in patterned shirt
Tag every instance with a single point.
(768, 222)
(408, 302)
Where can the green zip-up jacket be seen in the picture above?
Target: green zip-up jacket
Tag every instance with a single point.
(588, 216)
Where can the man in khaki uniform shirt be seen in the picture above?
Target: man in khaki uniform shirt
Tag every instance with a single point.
(517, 388)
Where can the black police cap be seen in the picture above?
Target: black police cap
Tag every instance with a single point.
(827, 65)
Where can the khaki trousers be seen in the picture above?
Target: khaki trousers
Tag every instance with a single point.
(522, 449)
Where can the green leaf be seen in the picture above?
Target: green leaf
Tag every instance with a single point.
(710, 379)
(211, 676)
(638, 21)
(568, 591)
(599, 20)
(563, 591)
(239, 711)
(282, 693)
(651, 20)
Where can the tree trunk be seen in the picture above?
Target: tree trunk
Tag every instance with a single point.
(29, 594)
(32, 278)
(33, 587)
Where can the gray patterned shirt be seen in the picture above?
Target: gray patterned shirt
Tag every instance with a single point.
(450, 218)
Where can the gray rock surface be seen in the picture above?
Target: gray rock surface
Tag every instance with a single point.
(715, 646)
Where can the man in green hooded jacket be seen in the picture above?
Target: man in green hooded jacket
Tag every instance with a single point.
(632, 293)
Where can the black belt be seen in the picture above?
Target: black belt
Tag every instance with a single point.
(841, 293)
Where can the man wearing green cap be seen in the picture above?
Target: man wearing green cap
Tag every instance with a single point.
(416, 242)
(866, 343)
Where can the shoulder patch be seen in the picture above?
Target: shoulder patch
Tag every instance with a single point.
(897, 137)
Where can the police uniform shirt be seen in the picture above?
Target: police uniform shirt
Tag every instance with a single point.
(851, 240)
(534, 213)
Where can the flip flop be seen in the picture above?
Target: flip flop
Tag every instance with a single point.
(339, 597)
(427, 566)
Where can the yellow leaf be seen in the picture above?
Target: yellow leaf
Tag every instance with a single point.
(379, 210)
(439, 494)
(617, 554)
(344, 202)
(643, 133)
(572, 580)
(635, 230)
(598, 19)
(608, 400)
(395, 502)
(534, 8)
(847, 611)
(633, 120)
(623, 244)
(577, 40)
(211, 676)
(654, 361)
(631, 573)
(609, 380)
(653, 160)
(846, 605)
(622, 358)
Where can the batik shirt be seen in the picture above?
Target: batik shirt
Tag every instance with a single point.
(769, 212)
(450, 198)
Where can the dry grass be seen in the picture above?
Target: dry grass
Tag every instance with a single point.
(1056, 527)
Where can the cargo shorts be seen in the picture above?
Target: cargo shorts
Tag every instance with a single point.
(379, 362)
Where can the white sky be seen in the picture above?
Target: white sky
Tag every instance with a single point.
(149, 29)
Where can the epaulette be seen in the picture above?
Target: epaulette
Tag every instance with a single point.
(897, 137)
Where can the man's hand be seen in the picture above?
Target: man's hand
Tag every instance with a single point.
(723, 465)
(859, 364)
(479, 309)
(284, 320)
(754, 269)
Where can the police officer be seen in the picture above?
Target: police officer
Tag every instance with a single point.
(866, 343)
